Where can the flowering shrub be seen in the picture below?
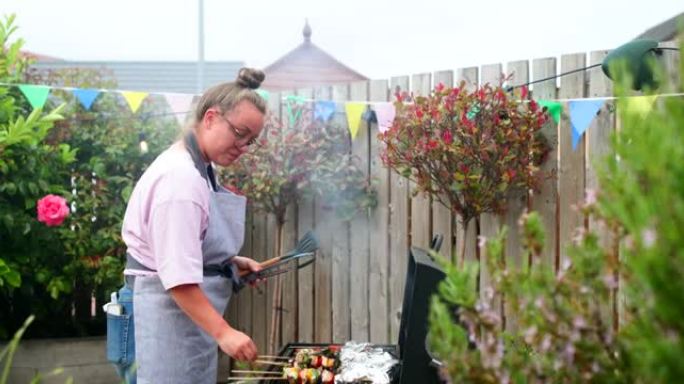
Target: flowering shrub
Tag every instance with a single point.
(561, 333)
(310, 158)
(468, 149)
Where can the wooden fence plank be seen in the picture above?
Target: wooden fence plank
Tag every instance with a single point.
(275, 104)
(599, 132)
(359, 256)
(271, 306)
(323, 264)
(244, 297)
(519, 72)
(517, 203)
(305, 277)
(340, 251)
(671, 60)
(379, 232)
(545, 202)
(571, 176)
(289, 298)
(421, 206)
(399, 232)
(598, 148)
(261, 311)
(442, 220)
(471, 77)
(490, 224)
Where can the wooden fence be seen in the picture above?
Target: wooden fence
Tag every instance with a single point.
(355, 289)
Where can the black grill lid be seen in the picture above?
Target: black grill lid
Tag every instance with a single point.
(422, 279)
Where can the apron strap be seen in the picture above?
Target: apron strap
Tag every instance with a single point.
(226, 269)
(206, 171)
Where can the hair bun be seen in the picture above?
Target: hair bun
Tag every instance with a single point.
(250, 78)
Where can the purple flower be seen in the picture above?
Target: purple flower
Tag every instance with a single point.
(649, 237)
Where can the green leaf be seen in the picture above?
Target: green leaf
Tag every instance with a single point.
(10, 188)
(13, 278)
(8, 220)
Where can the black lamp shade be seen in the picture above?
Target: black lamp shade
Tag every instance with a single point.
(369, 116)
(636, 55)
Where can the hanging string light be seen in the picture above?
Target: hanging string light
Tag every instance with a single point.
(143, 143)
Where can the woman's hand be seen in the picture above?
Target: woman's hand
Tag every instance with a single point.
(246, 264)
(238, 345)
(192, 300)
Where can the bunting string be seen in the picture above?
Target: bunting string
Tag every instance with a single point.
(582, 111)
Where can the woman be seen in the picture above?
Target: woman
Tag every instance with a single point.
(183, 232)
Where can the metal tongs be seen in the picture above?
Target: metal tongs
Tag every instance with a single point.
(301, 256)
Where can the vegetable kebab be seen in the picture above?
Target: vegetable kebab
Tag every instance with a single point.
(312, 367)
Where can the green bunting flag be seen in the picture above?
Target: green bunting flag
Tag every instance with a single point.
(294, 114)
(264, 94)
(36, 94)
(553, 108)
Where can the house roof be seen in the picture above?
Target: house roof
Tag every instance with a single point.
(37, 56)
(154, 76)
(665, 31)
(307, 65)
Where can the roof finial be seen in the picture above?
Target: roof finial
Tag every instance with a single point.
(307, 31)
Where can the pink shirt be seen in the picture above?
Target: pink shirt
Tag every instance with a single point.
(166, 218)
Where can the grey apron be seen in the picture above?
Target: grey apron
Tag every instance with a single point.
(170, 347)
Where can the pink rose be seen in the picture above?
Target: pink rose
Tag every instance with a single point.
(52, 210)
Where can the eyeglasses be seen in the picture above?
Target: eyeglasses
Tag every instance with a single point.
(239, 135)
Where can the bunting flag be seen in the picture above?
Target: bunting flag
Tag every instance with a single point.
(36, 94)
(639, 105)
(354, 112)
(134, 99)
(294, 113)
(264, 94)
(179, 104)
(582, 113)
(385, 113)
(86, 96)
(553, 108)
(324, 109)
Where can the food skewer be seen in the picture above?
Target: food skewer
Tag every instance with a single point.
(266, 362)
(273, 357)
(233, 379)
(260, 372)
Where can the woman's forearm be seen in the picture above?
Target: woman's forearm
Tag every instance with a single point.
(196, 305)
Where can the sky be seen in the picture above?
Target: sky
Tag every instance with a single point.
(378, 38)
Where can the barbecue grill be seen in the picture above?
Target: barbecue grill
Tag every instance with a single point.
(416, 365)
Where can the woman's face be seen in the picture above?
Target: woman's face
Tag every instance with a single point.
(225, 137)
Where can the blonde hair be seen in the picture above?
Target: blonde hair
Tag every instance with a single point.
(226, 96)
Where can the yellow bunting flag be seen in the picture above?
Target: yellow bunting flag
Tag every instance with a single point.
(134, 99)
(354, 112)
(639, 105)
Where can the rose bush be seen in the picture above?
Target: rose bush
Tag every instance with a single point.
(92, 159)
